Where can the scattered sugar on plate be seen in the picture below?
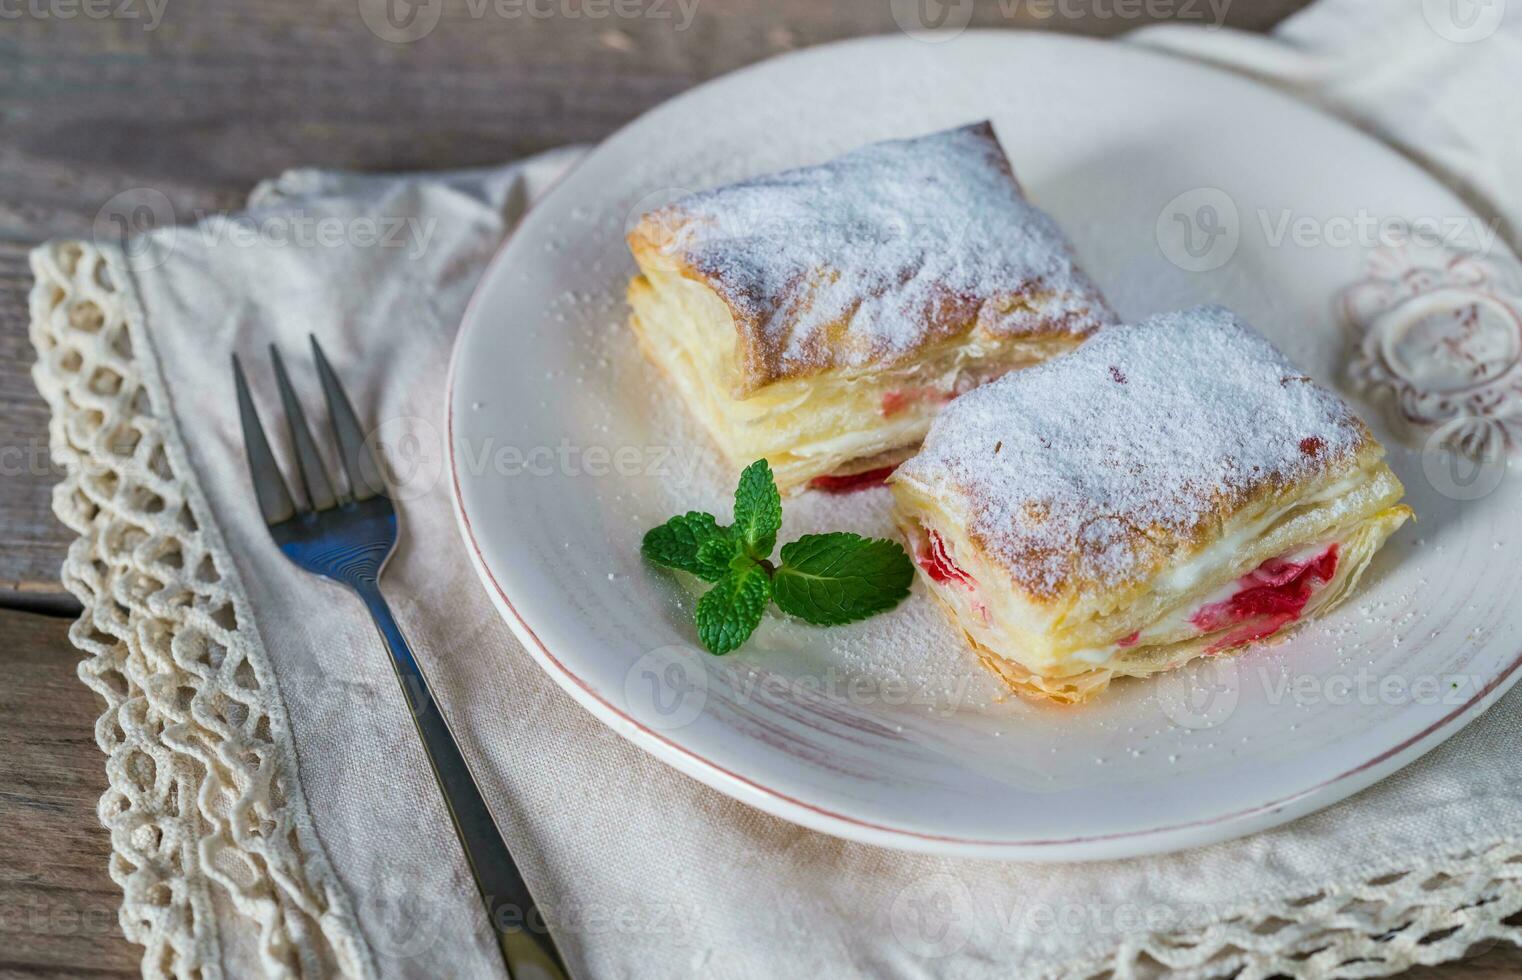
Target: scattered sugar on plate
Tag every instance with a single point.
(911, 645)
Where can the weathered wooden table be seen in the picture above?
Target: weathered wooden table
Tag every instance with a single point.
(201, 98)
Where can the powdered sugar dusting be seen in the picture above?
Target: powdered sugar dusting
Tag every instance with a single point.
(861, 261)
(1103, 464)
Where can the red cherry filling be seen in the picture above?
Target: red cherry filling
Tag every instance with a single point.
(856, 481)
(937, 563)
(1269, 598)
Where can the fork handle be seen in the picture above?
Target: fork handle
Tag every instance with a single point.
(522, 934)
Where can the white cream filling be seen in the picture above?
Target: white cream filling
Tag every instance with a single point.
(1174, 622)
(1217, 555)
(1093, 655)
(888, 436)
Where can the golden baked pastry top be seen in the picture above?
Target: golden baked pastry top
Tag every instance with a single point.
(863, 262)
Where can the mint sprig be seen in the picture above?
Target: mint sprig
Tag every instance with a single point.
(824, 579)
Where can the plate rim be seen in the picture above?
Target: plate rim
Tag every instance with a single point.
(1136, 843)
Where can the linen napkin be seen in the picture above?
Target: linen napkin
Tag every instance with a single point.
(271, 811)
(1435, 79)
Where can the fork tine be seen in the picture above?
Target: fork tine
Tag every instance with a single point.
(314, 476)
(269, 486)
(359, 462)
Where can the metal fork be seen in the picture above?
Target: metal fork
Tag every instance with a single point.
(347, 536)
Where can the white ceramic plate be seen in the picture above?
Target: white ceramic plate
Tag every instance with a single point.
(565, 447)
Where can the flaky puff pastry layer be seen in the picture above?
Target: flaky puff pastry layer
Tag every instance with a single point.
(1091, 505)
(826, 424)
(821, 317)
(1061, 668)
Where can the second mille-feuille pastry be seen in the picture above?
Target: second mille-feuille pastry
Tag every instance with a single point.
(1173, 488)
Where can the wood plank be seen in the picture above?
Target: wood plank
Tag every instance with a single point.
(32, 542)
(1487, 961)
(57, 904)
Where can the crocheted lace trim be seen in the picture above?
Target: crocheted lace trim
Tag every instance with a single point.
(204, 805)
(1434, 911)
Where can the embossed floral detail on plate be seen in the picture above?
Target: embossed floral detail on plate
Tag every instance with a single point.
(1444, 342)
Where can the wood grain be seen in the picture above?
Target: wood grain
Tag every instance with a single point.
(57, 905)
(213, 98)
(32, 542)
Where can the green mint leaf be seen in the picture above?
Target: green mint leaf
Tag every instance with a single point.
(729, 613)
(677, 542)
(829, 579)
(717, 553)
(758, 510)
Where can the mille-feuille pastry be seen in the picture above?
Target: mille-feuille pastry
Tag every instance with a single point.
(820, 317)
(1172, 488)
